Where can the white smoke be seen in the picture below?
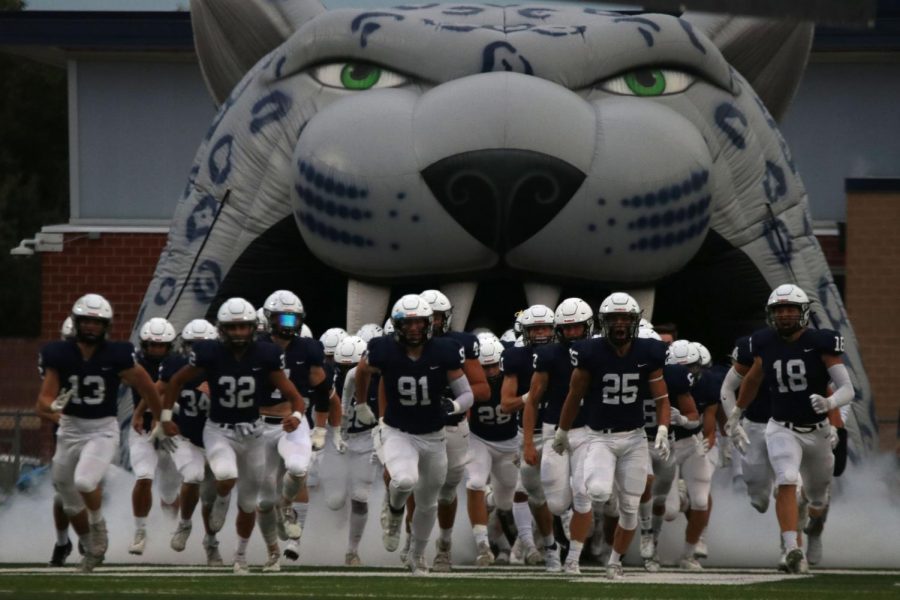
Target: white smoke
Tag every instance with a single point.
(862, 528)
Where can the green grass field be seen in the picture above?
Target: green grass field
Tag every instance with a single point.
(154, 582)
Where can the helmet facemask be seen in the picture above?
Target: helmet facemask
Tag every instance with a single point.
(285, 325)
(620, 327)
(233, 339)
(531, 337)
(408, 335)
(567, 333)
(94, 336)
(787, 323)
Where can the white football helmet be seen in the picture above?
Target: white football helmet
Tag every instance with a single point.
(67, 331)
(491, 349)
(157, 330)
(508, 336)
(440, 303)
(645, 323)
(285, 313)
(619, 303)
(262, 323)
(234, 311)
(536, 316)
(573, 311)
(350, 350)
(485, 337)
(91, 306)
(408, 307)
(199, 329)
(705, 356)
(788, 295)
(305, 331)
(647, 333)
(331, 339)
(369, 331)
(683, 352)
(388, 328)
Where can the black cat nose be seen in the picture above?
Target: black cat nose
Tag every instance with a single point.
(503, 197)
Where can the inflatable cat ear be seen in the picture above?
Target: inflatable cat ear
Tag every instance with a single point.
(232, 35)
(771, 54)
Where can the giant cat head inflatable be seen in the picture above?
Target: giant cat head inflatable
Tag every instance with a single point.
(538, 148)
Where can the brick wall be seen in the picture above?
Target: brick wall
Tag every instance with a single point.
(873, 296)
(117, 266)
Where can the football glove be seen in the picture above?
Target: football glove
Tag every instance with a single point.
(60, 401)
(318, 438)
(661, 444)
(821, 404)
(560, 443)
(833, 436)
(364, 415)
(450, 407)
(337, 440)
(701, 444)
(736, 432)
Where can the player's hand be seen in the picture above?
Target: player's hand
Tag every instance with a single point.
(561, 442)
(724, 451)
(203, 388)
(450, 407)
(290, 423)
(337, 440)
(364, 415)
(59, 403)
(833, 438)
(318, 438)
(530, 455)
(821, 404)
(169, 428)
(676, 418)
(661, 444)
(137, 422)
(736, 432)
(168, 444)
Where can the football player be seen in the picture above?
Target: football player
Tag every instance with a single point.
(573, 320)
(81, 380)
(148, 459)
(608, 374)
(493, 453)
(415, 370)
(456, 427)
(536, 324)
(198, 484)
(796, 363)
(240, 372)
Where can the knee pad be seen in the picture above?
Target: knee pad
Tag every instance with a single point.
(580, 502)
(700, 503)
(246, 502)
(297, 468)
(789, 477)
(628, 512)
(335, 500)
(291, 485)
(264, 505)
(611, 508)
(599, 493)
(223, 470)
(86, 484)
(403, 483)
(359, 508)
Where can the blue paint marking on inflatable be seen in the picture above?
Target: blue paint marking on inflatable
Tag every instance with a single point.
(415, 6)
(463, 11)
(192, 176)
(165, 292)
(779, 239)
(659, 241)
(490, 58)
(279, 66)
(727, 116)
(689, 30)
(330, 233)
(774, 182)
(201, 218)
(220, 166)
(599, 12)
(329, 207)
(693, 183)
(269, 109)
(561, 30)
(646, 34)
(207, 280)
(673, 216)
(366, 29)
(536, 12)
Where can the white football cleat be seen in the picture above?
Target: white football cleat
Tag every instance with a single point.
(99, 539)
(390, 536)
(814, 549)
(648, 547)
(689, 563)
(441, 562)
(180, 537)
(700, 548)
(240, 565)
(418, 566)
(552, 562)
(793, 559)
(292, 527)
(614, 571)
(571, 567)
(140, 540)
(351, 559)
(404, 552)
(651, 565)
(533, 556)
(213, 557)
(292, 549)
(483, 555)
(502, 558)
(273, 563)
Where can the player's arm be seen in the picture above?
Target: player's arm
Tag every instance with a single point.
(730, 386)
(138, 378)
(481, 391)
(688, 409)
(463, 398)
(137, 416)
(364, 372)
(539, 380)
(279, 379)
(840, 381)
(177, 382)
(709, 424)
(578, 387)
(750, 385)
(660, 394)
(382, 398)
(510, 400)
(47, 394)
(321, 391)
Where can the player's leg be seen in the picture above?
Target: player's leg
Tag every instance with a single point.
(95, 457)
(402, 463)
(362, 464)
(457, 440)
(816, 468)
(191, 466)
(223, 463)
(168, 482)
(144, 460)
(755, 467)
(295, 449)
(432, 468)
(62, 469)
(536, 502)
(630, 478)
(63, 546)
(251, 460)
(581, 443)
(478, 470)
(697, 472)
(785, 454)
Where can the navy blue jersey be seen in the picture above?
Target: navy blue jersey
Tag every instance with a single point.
(469, 344)
(794, 370)
(414, 387)
(193, 404)
(95, 380)
(678, 382)
(612, 398)
(237, 386)
(760, 409)
(518, 361)
(706, 392)
(488, 422)
(151, 365)
(554, 360)
(354, 426)
(299, 356)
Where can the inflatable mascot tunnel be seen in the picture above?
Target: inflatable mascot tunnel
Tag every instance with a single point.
(505, 154)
